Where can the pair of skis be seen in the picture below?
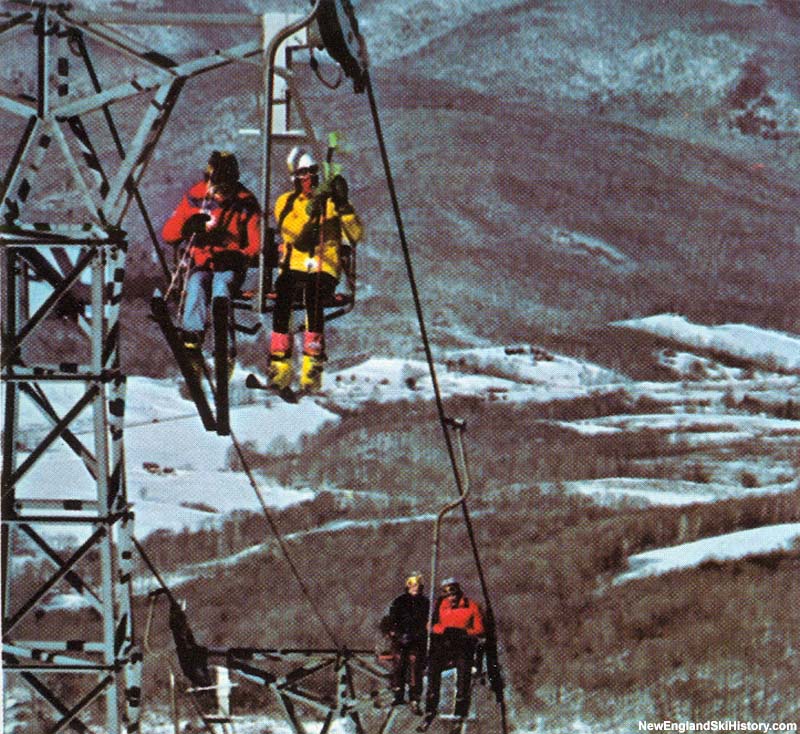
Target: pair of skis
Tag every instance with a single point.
(219, 421)
(287, 394)
(221, 316)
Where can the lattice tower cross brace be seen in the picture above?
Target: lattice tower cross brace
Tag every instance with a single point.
(98, 247)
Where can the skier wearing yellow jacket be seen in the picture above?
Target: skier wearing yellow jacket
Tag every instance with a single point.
(311, 225)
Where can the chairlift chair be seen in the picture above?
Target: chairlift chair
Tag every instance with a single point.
(341, 303)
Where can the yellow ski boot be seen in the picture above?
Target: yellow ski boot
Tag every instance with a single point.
(313, 361)
(311, 373)
(280, 372)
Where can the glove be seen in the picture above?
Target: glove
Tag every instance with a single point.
(308, 239)
(194, 225)
(340, 192)
(228, 260)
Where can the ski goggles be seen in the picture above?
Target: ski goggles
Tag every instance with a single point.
(305, 172)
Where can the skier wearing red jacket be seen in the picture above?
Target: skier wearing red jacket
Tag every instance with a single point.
(457, 627)
(219, 220)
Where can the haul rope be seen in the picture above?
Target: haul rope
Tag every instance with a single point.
(276, 532)
(443, 420)
(281, 543)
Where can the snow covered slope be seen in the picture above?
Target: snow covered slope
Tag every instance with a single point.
(721, 548)
(178, 474)
(764, 347)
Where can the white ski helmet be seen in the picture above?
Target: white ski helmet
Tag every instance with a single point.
(451, 583)
(300, 162)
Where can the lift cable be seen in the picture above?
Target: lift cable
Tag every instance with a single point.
(278, 537)
(281, 542)
(159, 578)
(274, 528)
(443, 419)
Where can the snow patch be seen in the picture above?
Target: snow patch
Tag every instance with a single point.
(770, 349)
(645, 491)
(731, 546)
(531, 365)
(694, 367)
(579, 244)
(178, 474)
(735, 426)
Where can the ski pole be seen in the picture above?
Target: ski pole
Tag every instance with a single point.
(183, 265)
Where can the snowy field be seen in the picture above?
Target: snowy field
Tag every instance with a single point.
(180, 476)
(771, 349)
(178, 473)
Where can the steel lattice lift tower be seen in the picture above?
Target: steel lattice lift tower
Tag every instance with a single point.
(63, 252)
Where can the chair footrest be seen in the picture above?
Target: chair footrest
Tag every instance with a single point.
(338, 300)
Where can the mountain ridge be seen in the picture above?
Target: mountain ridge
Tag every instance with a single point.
(703, 213)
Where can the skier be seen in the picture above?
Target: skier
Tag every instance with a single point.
(311, 223)
(219, 220)
(457, 627)
(407, 621)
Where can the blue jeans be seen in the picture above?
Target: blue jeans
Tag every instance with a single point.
(202, 287)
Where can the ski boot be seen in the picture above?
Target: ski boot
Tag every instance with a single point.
(311, 373)
(313, 362)
(280, 372)
(426, 722)
(192, 343)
